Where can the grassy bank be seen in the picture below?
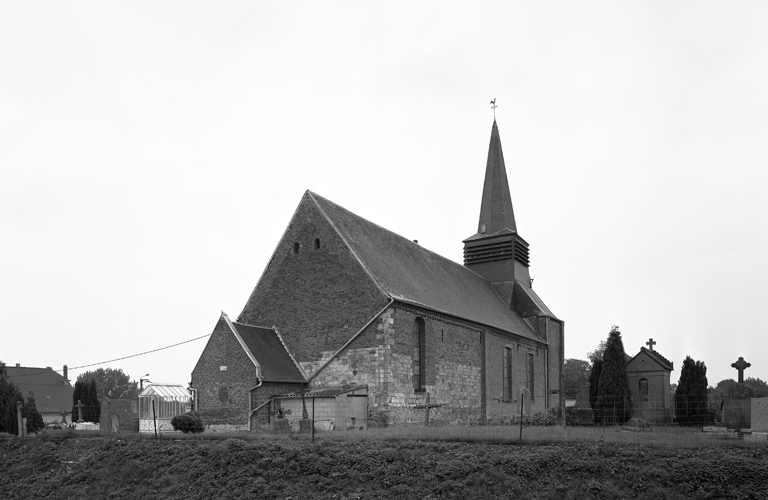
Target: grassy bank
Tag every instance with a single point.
(410, 462)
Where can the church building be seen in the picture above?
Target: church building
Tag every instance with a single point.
(346, 304)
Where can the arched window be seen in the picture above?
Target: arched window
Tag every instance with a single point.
(317, 243)
(296, 248)
(418, 358)
(642, 387)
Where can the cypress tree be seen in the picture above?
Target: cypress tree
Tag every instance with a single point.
(77, 395)
(614, 401)
(691, 393)
(594, 380)
(34, 419)
(92, 411)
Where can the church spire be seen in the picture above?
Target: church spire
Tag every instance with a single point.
(496, 207)
(496, 252)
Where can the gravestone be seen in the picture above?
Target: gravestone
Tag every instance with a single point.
(759, 412)
(737, 410)
(426, 407)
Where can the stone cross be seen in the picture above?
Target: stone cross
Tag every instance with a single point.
(650, 344)
(79, 411)
(426, 406)
(741, 365)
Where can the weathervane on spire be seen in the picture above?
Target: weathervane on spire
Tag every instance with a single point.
(493, 107)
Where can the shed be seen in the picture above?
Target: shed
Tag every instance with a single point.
(160, 403)
(340, 408)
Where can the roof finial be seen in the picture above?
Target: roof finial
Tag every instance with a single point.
(493, 107)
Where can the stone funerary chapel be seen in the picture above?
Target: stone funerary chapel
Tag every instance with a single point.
(348, 308)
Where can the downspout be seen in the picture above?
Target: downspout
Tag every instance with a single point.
(250, 401)
(391, 301)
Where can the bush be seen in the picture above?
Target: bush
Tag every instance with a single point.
(189, 422)
(579, 415)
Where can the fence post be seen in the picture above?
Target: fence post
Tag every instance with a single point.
(20, 419)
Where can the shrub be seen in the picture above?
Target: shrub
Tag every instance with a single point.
(579, 415)
(189, 422)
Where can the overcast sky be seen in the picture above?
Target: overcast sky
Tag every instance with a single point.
(152, 154)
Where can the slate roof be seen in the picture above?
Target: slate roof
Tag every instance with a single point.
(267, 348)
(53, 394)
(408, 272)
(496, 208)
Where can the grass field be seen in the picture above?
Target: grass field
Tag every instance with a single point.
(401, 462)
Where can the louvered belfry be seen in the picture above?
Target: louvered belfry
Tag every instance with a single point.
(496, 252)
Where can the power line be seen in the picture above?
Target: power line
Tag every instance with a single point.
(111, 360)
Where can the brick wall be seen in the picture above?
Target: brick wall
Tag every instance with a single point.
(318, 297)
(223, 394)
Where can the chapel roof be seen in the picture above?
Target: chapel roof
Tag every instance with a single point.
(654, 355)
(409, 273)
(53, 393)
(265, 346)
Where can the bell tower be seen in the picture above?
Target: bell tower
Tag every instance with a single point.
(496, 252)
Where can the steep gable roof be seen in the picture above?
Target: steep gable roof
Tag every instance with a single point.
(267, 351)
(53, 393)
(663, 362)
(408, 272)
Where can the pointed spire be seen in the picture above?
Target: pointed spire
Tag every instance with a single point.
(496, 207)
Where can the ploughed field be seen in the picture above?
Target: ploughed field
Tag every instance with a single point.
(131, 467)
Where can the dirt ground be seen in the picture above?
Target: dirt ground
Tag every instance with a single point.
(138, 468)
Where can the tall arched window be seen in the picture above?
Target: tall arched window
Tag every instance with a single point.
(642, 387)
(418, 358)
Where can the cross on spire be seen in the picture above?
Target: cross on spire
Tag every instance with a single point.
(741, 365)
(493, 107)
(650, 344)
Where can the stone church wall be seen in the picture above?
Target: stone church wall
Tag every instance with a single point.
(501, 408)
(319, 296)
(452, 370)
(223, 394)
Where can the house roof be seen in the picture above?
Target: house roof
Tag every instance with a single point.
(409, 273)
(654, 355)
(266, 349)
(53, 393)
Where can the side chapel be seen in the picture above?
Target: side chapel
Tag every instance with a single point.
(345, 303)
(648, 372)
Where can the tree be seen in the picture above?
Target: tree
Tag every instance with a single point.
(113, 381)
(597, 354)
(575, 374)
(614, 400)
(34, 419)
(9, 396)
(594, 381)
(691, 394)
(85, 392)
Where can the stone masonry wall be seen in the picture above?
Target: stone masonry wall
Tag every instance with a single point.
(223, 393)
(501, 408)
(452, 371)
(318, 297)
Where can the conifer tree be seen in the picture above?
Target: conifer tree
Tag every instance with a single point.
(92, 411)
(77, 396)
(594, 380)
(34, 419)
(9, 395)
(614, 401)
(691, 393)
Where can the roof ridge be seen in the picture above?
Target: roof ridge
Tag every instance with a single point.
(352, 250)
(280, 338)
(242, 342)
(408, 241)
